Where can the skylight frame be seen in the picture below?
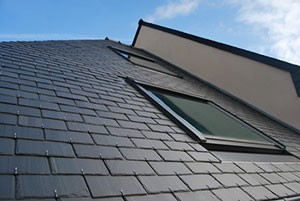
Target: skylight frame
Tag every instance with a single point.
(211, 143)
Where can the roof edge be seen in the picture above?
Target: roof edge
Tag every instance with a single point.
(141, 22)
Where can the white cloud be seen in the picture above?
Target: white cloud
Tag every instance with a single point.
(173, 9)
(278, 21)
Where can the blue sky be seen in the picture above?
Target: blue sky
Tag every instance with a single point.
(264, 26)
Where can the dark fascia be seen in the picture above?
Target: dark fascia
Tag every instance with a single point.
(292, 68)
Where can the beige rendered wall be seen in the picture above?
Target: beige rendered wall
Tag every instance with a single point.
(267, 88)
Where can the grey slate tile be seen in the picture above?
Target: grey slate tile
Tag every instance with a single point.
(68, 136)
(121, 110)
(198, 147)
(166, 184)
(203, 168)
(42, 123)
(160, 128)
(44, 186)
(7, 146)
(100, 121)
(8, 99)
(283, 167)
(273, 178)
(73, 109)
(83, 127)
(170, 168)
(93, 199)
(38, 104)
(112, 115)
(61, 115)
(55, 99)
(181, 137)
(181, 146)
(294, 166)
(259, 193)
(146, 114)
(92, 151)
(29, 96)
(37, 199)
(141, 119)
(288, 176)
(152, 144)
(294, 186)
(30, 121)
(9, 92)
(21, 110)
(156, 135)
(8, 85)
(103, 186)
(110, 140)
(7, 187)
(228, 167)
(254, 179)
(196, 196)
(230, 180)
(54, 124)
(125, 132)
(203, 156)
(231, 194)
(122, 167)
(267, 167)
(24, 165)
(133, 125)
(21, 132)
(155, 197)
(140, 154)
(129, 106)
(8, 119)
(249, 167)
(280, 190)
(78, 166)
(200, 182)
(174, 155)
(44, 148)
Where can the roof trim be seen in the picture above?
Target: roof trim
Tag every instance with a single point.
(292, 68)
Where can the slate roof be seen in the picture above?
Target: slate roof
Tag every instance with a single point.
(72, 129)
(292, 68)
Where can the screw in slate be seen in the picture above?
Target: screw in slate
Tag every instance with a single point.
(16, 171)
(55, 193)
(15, 135)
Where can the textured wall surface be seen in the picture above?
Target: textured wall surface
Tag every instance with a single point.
(72, 129)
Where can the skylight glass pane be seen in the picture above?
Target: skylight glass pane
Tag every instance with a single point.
(207, 119)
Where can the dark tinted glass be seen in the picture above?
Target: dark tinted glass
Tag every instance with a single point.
(207, 118)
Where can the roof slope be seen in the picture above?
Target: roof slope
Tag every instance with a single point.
(292, 68)
(72, 129)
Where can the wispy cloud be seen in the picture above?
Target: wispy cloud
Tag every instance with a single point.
(173, 9)
(48, 36)
(278, 21)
